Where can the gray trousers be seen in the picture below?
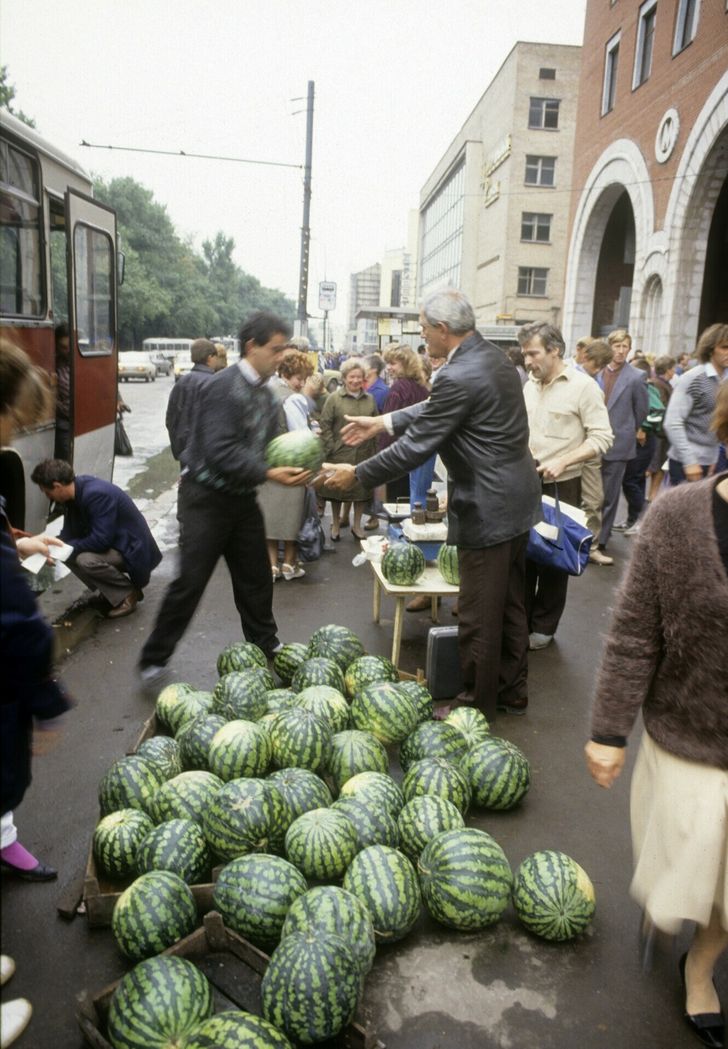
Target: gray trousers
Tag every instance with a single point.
(612, 474)
(592, 494)
(104, 572)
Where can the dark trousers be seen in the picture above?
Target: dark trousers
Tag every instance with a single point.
(492, 628)
(677, 474)
(633, 482)
(612, 474)
(546, 587)
(214, 525)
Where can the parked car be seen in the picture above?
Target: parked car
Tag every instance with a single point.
(136, 366)
(164, 365)
(182, 365)
(332, 379)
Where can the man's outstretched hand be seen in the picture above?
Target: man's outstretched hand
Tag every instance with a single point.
(339, 476)
(360, 428)
(289, 475)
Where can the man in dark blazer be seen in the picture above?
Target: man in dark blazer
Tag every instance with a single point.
(113, 550)
(475, 418)
(207, 358)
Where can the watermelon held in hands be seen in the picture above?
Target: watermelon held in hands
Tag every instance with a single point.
(297, 448)
(153, 913)
(447, 563)
(553, 896)
(465, 878)
(403, 564)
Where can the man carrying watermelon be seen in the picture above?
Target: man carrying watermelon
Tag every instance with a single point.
(475, 418)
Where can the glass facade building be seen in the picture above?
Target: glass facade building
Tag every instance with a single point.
(442, 235)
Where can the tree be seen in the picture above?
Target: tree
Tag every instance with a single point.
(7, 94)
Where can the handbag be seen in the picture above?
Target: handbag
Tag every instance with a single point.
(559, 541)
(122, 444)
(310, 538)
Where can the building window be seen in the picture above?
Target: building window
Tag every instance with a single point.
(536, 226)
(645, 42)
(546, 74)
(685, 24)
(532, 280)
(441, 237)
(543, 114)
(540, 171)
(611, 63)
(395, 297)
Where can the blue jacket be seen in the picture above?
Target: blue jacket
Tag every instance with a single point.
(379, 391)
(102, 517)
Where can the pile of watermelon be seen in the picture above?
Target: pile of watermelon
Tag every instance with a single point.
(282, 785)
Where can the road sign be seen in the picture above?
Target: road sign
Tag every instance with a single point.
(327, 295)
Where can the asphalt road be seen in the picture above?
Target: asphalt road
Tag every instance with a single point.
(436, 989)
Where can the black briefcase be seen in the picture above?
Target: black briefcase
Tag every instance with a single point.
(442, 668)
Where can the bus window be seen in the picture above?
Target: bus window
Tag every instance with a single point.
(59, 266)
(21, 258)
(93, 256)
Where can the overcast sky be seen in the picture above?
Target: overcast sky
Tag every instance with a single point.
(395, 80)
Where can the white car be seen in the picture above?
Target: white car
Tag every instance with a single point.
(136, 366)
(182, 365)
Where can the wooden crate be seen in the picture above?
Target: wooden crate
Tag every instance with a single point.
(233, 966)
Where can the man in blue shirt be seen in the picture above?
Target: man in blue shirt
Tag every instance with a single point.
(373, 381)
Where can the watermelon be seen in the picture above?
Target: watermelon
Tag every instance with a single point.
(328, 703)
(384, 710)
(386, 883)
(331, 909)
(175, 706)
(311, 986)
(403, 564)
(375, 788)
(439, 777)
(153, 913)
(422, 818)
(553, 896)
(130, 783)
(116, 840)
(279, 699)
(354, 751)
(367, 669)
(498, 772)
(178, 846)
(242, 694)
(240, 656)
(447, 563)
(433, 739)
(301, 739)
(157, 1004)
(234, 1029)
(374, 824)
(194, 740)
(471, 722)
(301, 789)
(466, 879)
(300, 448)
(337, 643)
(422, 698)
(247, 815)
(239, 748)
(168, 699)
(321, 843)
(287, 661)
(187, 796)
(318, 670)
(164, 752)
(253, 894)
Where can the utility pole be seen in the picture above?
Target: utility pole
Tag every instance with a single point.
(302, 314)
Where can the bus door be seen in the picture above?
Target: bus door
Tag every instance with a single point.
(91, 264)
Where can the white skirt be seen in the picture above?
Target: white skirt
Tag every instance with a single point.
(679, 813)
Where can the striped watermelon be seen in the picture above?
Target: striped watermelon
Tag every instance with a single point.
(447, 563)
(318, 670)
(301, 739)
(328, 703)
(253, 895)
(386, 883)
(168, 699)
(175, 707)
(553, 896)
(178, 846)
(466, 879)
(422, 818)
(471, 722)
(374, 824)
(186, 797)
(375, 788)
(354, 751)
(130, 783)
(422, 698)
(240, 656)
(116, 840)
(164, 752)
(367, 669)
(301, 789)
(280, 699)
(439, 777)
(433, 739)
(157, 1004)
(242, 694)
(247, 815)
(233, 1029)
(330, 909)
(288, 660)
(300, 448)
(153, 913)
(239, 748)
(498, 772)
(337, 643)
(403, 564)
(321, 843)
(194, 740)
(383, 709)
(311, 986)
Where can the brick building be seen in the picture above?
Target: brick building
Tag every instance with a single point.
(649, 205)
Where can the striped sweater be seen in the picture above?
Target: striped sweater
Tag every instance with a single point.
(688, 415)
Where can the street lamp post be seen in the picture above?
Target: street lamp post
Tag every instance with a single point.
(302, 313)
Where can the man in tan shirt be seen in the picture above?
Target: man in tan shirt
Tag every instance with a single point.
(569, 425)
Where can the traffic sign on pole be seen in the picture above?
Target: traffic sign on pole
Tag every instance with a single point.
(327, 295)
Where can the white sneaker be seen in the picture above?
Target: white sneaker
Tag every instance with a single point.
(153, 679)
(14, 1018)
(620, 526)
(275, 572)
(536, 641)
(292, 571)
(634, 529)
(7, 968)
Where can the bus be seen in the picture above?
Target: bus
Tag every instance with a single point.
(58, 262)
(159, 347)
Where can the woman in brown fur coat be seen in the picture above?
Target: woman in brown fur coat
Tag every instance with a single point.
(667, 655)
